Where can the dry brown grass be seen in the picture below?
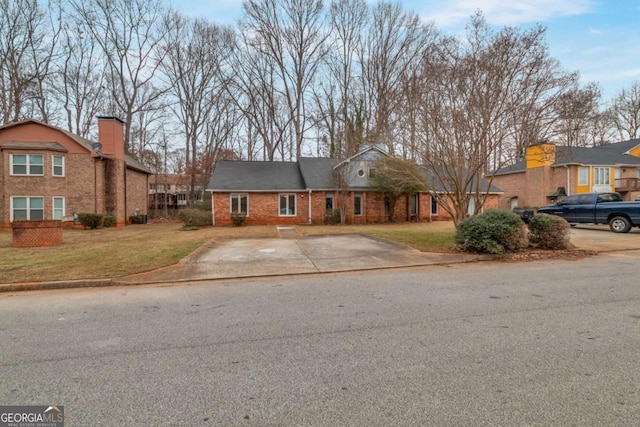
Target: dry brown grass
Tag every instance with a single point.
(115, 252)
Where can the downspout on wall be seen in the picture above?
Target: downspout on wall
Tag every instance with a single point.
(309, 206)
(213, 209)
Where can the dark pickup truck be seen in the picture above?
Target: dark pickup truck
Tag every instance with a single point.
(597, 208)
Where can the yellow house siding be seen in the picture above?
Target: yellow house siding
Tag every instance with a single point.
(635, 151)
(541, 155)
(582, 188)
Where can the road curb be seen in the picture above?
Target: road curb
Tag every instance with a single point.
(99, 283)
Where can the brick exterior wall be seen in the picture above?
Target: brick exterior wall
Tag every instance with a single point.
(137, 190)
(263, 209)
(533, 186)
(31, 234)
(90, 183)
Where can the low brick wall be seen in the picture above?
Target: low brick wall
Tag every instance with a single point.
(31, 234)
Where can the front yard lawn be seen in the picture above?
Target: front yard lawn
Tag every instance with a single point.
(115, 252)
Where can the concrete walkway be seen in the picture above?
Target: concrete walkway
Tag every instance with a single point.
(292, 253)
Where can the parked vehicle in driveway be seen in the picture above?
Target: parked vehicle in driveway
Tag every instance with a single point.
(597, 208)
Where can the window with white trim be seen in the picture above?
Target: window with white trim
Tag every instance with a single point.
(434, 205)
(602, 176)
(328, 202)
(27, 208)
(57, 165)
(58, 207)
(240, 203)
(357, 204)
(583, 176)
(27, 164)
(287, 204)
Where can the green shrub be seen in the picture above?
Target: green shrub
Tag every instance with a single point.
(332, 216)
(238, 218)
(109, 221)
(136, 219)
(493, 232)
(90, 220)
(548, 232)
(195, 217)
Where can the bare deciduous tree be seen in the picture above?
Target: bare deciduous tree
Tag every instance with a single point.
(128, 33)
(193, 52)
(625, 112)
(291, 36)
(577, 111)
(394, 41)
(470, 91)
(80, 77)
(27, 42)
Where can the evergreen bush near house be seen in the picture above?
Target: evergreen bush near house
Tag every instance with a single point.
(195, 217)
(548, 232)
(136, 219)
(90, 220)
(493, 232)
(109, 221)
(238, 218)
(332, 216)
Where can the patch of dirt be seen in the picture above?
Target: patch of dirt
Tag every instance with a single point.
(536, 255)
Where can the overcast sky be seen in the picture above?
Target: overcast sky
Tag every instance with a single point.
(598, 38)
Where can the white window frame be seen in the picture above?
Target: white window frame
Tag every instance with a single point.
(28, 165)
(600, 174)
(235, 200)
(415, 204)
(583, 176)
(28, 208)
(358, 204)
(287, 197)
(53, 166)
(436, 205)
(327, 197)
(54, 209)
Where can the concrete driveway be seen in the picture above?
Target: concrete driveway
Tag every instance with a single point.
(600, 238)
(295, 254)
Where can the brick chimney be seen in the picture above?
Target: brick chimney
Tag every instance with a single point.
(111, 136)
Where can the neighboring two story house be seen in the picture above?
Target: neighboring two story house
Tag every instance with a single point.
(171, 190)
(49, 173)
(303, 192)
(549, 173)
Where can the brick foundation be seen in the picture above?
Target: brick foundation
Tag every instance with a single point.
(31, 234)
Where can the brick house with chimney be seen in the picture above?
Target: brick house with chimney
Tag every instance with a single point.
(49, 173)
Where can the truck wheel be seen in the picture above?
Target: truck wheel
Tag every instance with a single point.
(620, 224)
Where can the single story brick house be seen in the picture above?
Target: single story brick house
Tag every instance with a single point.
(303, 192)
(549, 173)
(49, 173)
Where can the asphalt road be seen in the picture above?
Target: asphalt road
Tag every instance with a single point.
(543, 343)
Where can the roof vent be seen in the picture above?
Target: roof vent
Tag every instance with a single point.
(96, 146)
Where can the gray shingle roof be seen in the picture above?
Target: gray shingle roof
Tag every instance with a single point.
(318, 172)
(439, 188)
(621, 147)
(309, 173)
(237, 175)
(605, 155)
